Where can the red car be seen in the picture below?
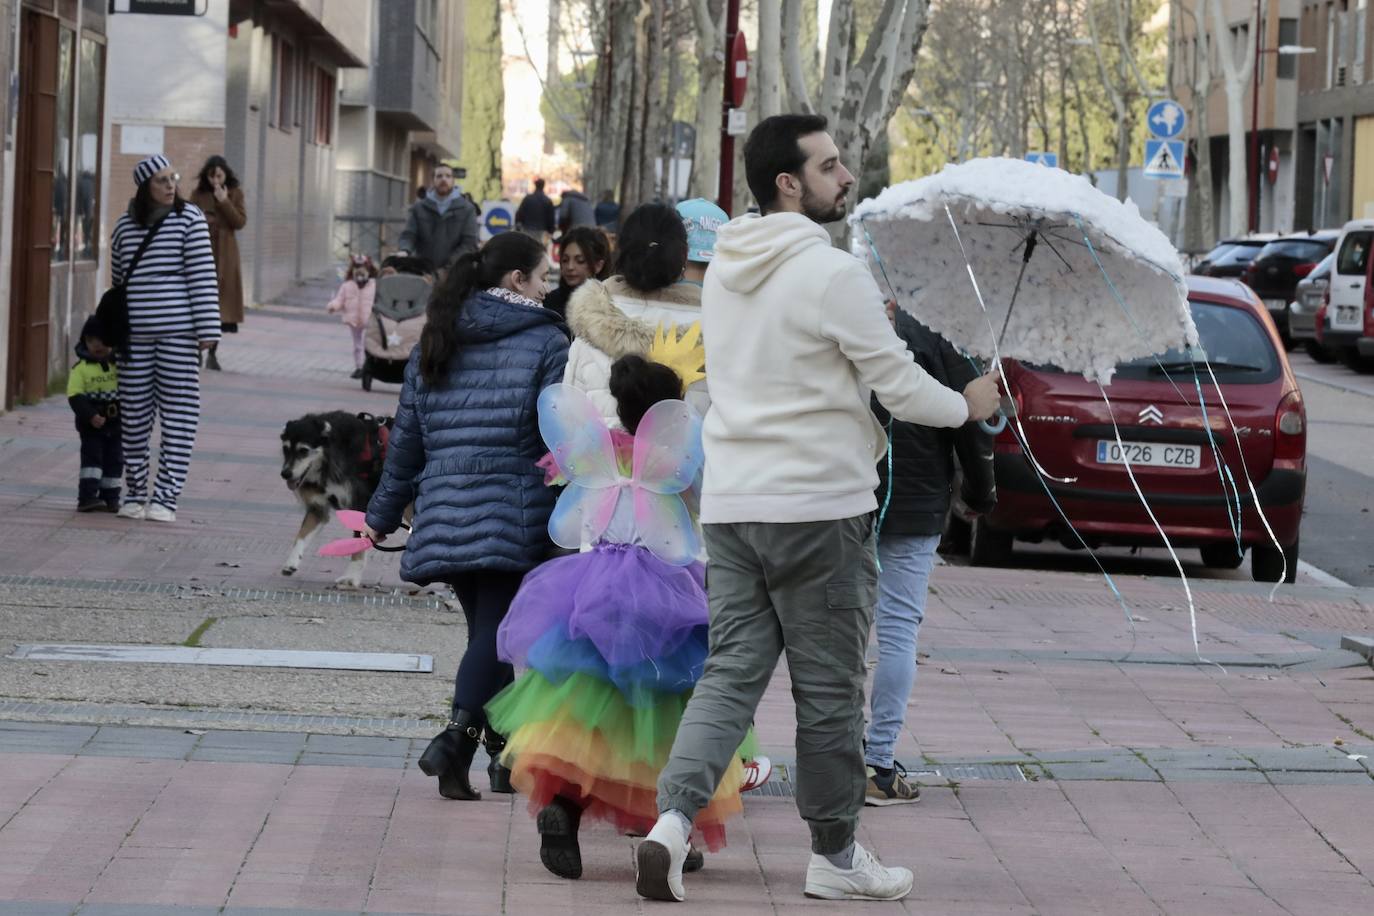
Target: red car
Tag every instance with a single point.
(1155, 405)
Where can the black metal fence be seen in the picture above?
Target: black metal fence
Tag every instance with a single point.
(365, 235)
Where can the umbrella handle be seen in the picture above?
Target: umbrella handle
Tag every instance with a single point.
(993, 429)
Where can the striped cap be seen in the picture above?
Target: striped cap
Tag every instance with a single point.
(149, 167)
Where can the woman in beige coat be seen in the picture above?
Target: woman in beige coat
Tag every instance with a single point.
(218, 194)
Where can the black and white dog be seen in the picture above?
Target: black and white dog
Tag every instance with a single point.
(332, 461)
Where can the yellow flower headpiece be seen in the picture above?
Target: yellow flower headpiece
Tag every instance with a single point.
(684, 355)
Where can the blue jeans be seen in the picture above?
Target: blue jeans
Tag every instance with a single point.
(906, 564)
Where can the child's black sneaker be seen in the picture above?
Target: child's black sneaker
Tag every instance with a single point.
(889, 787)
(90, 505)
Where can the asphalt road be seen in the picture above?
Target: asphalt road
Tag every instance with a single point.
(1338, 517)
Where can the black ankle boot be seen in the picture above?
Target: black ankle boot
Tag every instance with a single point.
(558, 850)
(498, 774)
(449, 757)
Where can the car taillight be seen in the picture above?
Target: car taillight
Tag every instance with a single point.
(1290, 428)
(1302, 270)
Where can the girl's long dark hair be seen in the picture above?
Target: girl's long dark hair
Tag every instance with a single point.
(652, 248)
(215, 162)
(144, 205)
(593, 244)
(470, 274)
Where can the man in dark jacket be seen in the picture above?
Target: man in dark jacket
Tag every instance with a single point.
(574, 210)
(535, 214)
(443, 225)
(913, 500)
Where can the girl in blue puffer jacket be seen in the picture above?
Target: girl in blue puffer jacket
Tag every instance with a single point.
(464, 448)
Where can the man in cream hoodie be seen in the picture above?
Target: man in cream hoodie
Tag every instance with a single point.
(796, 337)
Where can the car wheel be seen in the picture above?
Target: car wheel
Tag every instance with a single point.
(1317, 351)
(988, 547)
(958, 533)
(1267, 563)
(1351, 359)
(1222, 556)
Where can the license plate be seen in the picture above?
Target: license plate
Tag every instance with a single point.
(1275, 305)
(1149, 454)
(1347, 316)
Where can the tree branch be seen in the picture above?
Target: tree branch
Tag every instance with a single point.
(798, 98)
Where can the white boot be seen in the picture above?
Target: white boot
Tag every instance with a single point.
(658, 875)
(866, 879)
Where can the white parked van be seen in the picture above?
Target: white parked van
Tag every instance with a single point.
(1348, 326)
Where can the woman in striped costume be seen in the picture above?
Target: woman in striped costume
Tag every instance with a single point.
(173, 314)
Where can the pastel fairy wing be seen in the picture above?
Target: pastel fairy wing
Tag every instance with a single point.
(345, 547)
(352, 519)
(582, 514)
(665, 526)
(668, 450)
(577, 437)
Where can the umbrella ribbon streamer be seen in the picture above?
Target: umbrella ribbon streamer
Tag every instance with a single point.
(1250, 483)
(997, 350)
(1178, 564)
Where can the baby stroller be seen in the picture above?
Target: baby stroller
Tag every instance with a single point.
(398, 317)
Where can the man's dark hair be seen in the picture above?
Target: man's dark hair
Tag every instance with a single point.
(443, 165)
(773, 148)
(539, 184)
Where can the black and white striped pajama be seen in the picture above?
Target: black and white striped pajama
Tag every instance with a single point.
(173, 307)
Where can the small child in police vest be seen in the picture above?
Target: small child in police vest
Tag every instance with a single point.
(93, 392)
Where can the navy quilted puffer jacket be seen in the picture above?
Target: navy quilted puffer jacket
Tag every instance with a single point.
(466, 450)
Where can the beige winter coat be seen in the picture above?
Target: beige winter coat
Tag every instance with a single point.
(610, 320)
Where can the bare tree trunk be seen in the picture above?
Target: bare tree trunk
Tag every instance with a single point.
(1237, 80)
(1201, 216)
(551, 67)
(768, 69)
(656, 117)
(874, 84)
(710, 29)
(613, 100)
(794, 52)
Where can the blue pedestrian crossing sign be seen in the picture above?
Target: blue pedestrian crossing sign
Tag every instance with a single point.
(1047, 159)
(1163, 158)
(1166, 119)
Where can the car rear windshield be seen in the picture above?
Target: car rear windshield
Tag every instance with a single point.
(1218, 252)
(1240, 254)
(1235, 343)
(1353, 257)
(1305, 250)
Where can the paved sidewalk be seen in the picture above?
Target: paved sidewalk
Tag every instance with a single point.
(1069, 764)
(236, 520)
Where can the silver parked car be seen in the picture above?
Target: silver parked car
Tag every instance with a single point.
(1302, 311)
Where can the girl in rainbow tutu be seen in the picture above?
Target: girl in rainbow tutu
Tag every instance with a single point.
(612, 639)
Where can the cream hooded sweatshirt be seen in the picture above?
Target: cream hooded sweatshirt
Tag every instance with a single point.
(796, 339)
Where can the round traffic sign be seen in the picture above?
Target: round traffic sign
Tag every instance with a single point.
(1166, 119)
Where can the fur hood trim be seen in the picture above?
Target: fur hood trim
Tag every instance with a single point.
(594, 316)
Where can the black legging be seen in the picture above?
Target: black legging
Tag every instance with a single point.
(485, 596)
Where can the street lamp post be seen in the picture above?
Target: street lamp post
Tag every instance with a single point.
(1254, 117)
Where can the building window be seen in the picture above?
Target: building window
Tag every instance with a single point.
(62, 149)
(286, 87)
(1288, 35)
(324, 108)
(91, 66)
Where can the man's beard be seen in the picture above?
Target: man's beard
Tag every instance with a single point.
(819, 209)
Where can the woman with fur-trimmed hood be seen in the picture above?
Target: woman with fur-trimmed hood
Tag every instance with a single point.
(619, 317)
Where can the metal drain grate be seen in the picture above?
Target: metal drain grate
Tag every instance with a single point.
(432, 602)
(781, 785)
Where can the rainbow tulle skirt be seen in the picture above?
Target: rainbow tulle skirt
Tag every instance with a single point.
(612, 641)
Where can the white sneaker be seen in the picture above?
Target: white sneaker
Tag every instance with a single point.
(157, 512)
(756, 773)
(135, 511)
(867, 880)
(659, 859)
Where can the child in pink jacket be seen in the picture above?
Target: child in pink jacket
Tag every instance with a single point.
(354, 299)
